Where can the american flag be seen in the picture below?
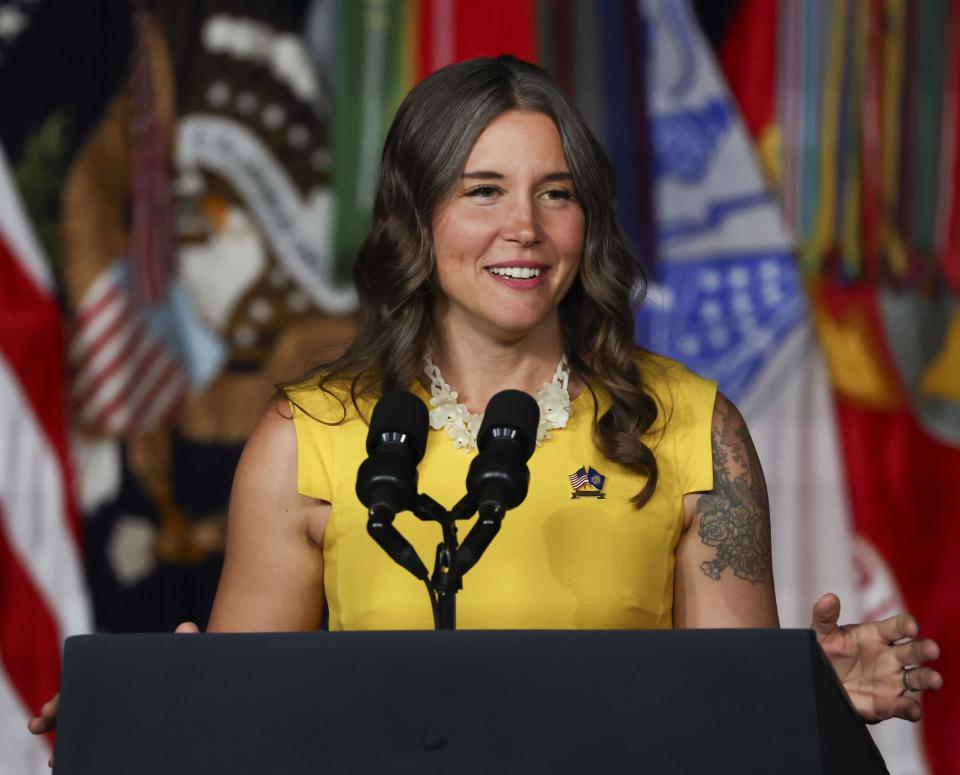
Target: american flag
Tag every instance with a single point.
(124, 376)
(43, 596)
(579, 478)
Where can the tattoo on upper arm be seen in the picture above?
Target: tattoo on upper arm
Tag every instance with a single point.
(734, 516)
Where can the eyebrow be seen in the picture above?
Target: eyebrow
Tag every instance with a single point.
(491, 175)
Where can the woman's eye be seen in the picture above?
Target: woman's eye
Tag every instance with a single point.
(558, 193)
(483, 192)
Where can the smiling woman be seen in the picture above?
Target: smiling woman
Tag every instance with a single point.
(494, 261)
(508, 240)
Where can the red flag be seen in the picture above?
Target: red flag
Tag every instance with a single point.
(452, 31)
(748, 55)
(42, 592)
(902, 481)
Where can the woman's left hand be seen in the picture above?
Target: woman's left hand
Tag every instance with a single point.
(879, 663)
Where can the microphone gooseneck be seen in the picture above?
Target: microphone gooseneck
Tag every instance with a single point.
(387, 479)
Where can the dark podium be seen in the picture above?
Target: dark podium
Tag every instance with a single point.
(695, 701)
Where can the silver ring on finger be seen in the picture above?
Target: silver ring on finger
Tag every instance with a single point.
(907, 687)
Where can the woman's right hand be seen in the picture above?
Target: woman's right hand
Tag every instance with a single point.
(47, 720)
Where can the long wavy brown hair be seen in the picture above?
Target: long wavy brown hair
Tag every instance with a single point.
(425, 153)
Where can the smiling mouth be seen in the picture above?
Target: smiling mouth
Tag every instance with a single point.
(515, 272)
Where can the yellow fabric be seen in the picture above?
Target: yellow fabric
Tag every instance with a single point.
(558, 562)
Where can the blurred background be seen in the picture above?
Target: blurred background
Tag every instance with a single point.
(183, 185)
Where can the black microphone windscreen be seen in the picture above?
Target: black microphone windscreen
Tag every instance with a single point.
(512, 409)
(400, 412)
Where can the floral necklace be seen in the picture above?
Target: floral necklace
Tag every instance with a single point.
(462, 425)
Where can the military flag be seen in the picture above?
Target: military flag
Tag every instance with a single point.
(728, 300)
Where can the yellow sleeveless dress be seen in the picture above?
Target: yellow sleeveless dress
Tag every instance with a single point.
(559, 562)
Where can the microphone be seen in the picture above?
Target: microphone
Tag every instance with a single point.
(498, 476)
(387, 479)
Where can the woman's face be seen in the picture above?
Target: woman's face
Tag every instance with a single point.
(508, 238)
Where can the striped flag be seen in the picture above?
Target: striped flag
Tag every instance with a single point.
(579, 478)
(42, 591)
(125, 376)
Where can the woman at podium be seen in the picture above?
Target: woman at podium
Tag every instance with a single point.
(494, 261)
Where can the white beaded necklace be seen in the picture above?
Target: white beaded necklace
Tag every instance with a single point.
(462, 425)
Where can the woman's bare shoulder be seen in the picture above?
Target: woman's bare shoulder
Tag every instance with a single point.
(267, 472)
(274, 430)
(274, 536)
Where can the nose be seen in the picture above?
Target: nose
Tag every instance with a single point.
(521, 225)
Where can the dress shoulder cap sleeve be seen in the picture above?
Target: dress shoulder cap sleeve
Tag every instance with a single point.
(687, 400)
(317, 415)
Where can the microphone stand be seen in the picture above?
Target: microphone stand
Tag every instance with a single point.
(446, 580)
(452, 559)
(445, 586)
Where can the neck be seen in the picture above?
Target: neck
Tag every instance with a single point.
(477, 365)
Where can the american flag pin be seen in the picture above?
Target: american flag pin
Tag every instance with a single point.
(587, 482)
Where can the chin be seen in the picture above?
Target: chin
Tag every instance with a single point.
(516, 326)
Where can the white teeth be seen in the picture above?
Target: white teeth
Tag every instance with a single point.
(515, 272)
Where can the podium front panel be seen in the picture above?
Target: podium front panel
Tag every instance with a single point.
(717, 701)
